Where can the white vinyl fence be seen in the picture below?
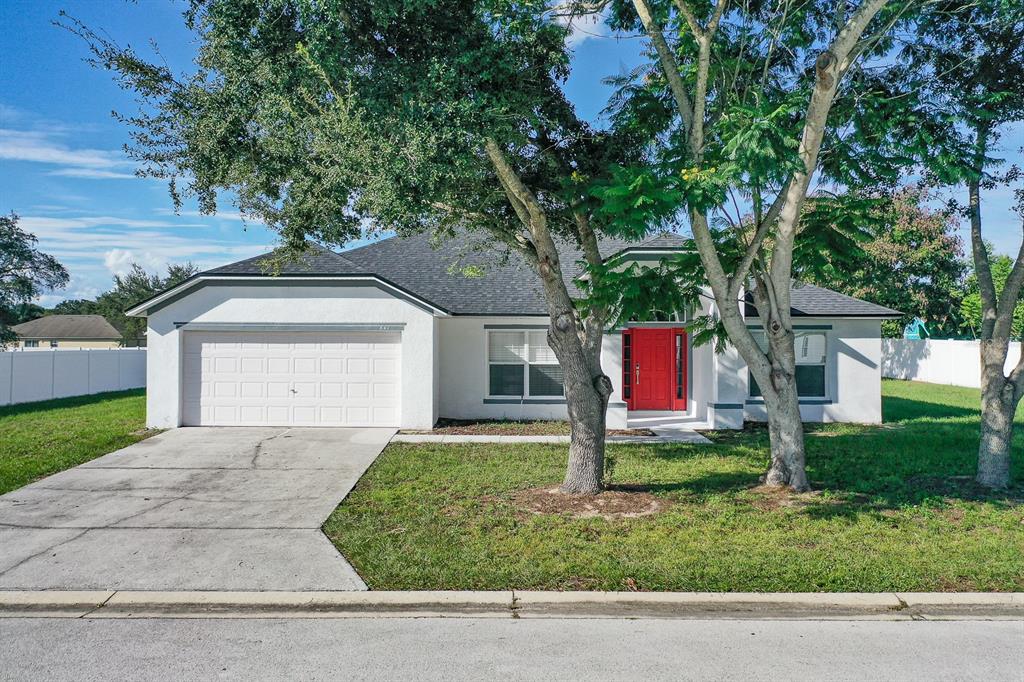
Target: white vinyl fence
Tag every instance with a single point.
(28, 376)
(940, 361)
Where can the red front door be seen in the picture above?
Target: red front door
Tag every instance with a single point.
(653, 368)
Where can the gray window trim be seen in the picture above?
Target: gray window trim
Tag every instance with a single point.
(526, 397)
(524, 401)
(288, 327)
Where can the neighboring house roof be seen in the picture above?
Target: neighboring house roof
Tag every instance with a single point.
(470, 276)
(82, 327)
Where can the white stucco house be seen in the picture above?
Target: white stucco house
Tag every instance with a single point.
(397, 334)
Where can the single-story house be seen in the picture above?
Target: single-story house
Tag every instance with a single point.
(68, 332)
(399, 333)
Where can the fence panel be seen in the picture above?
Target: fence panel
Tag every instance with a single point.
(939, 361)
(29, 376)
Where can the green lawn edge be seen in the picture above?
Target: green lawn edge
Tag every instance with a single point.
(894, 510)
(42, 438)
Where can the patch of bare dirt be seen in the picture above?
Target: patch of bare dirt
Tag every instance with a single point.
(957, 584)
(620, 502)
(772, 497)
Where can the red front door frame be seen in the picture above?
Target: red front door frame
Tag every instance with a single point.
(654, 368)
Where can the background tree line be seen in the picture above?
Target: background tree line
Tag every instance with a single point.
(26, 273)
(906, 255)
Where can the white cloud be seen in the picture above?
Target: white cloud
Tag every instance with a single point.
(23, 145)
(220, 215)
(43, 147)
(119, 261)
(92, 174)
(52, 226)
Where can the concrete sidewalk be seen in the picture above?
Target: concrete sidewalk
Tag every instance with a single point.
(514, 604)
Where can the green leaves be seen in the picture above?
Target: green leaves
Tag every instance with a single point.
(25, 272)
(634, 200)
(644, 292)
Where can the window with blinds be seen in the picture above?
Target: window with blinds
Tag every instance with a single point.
(521, 364)
(811, 358)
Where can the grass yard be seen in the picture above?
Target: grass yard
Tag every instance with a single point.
(39, 439)
(894, 509)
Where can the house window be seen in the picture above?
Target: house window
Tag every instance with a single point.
(31, 344)
(521, 364)
(53, 344)
(811, 357)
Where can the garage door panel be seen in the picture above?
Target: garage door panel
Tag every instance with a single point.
(303, 378)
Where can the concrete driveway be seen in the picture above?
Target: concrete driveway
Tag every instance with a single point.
(191, 509)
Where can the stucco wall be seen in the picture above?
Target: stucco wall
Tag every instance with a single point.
(462, 363)
(293, 304)
(853, 376)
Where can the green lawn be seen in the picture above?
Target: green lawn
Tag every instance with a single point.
(39, 439)
(890, 514)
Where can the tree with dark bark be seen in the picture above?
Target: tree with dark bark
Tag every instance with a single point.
(324, 119)
(25, 273)
(972, 57)
(741, 95)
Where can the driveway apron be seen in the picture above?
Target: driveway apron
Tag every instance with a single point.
(191, 509)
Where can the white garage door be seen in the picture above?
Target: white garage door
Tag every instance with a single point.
(291, 378)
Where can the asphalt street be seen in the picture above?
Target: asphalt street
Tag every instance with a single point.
(525, 649)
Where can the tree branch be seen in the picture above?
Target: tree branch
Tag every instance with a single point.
(522, 199)
(764, 226)
(1011, 294)
(829, 69)
(669, 66)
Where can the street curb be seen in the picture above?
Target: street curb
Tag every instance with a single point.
(514, 604)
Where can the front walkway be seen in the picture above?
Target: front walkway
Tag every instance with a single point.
(660, 436)
(191, 509)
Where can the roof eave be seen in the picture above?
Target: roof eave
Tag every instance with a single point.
(142, 309)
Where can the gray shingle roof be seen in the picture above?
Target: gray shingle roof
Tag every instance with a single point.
(58, 327)
(473, 276)
(808, 300)
(315, 261)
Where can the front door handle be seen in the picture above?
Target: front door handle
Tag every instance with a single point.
(637, 374)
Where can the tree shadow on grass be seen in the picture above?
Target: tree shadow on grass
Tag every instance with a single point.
(926, 457)
(76, 401)
(717, 483)
(903, 409)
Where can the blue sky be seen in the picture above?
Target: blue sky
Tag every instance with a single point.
(62, 169)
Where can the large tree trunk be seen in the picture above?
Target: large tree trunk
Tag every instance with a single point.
(999, 394)
(785, 427)
(998, 406)
(586, 395)
(576, 342)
